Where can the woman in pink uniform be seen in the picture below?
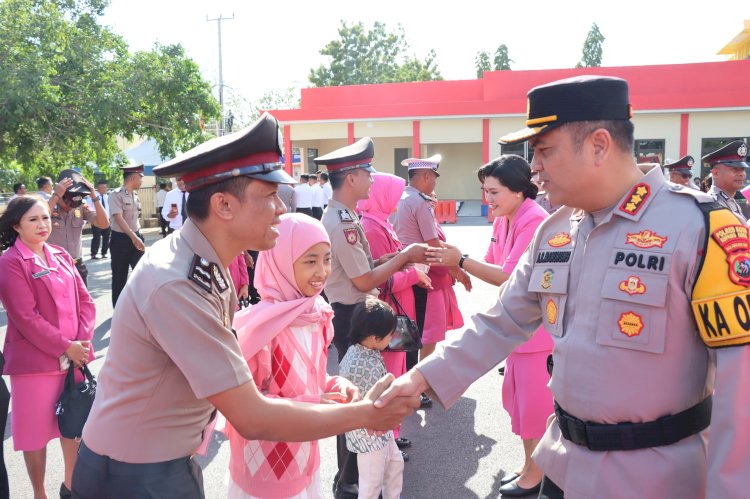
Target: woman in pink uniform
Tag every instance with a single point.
(385, 193)
(50, 322)
(508, 188)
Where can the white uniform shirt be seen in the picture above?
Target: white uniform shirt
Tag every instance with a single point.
(104, 201)
(328, 191)
(160, 197)
(303, 196)
(318, 196)
(174, 197)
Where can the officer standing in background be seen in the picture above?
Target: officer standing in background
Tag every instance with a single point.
(44, 188)
(354, 274)
(326, 186)
(175, 209)
(99, 235)
(161, 194)
(728, 173)
(303, 195)
(69, 213)
(319, 200)
(126, 244)
(286, 194)
(680, 171)
(165, 375)
(636, 293)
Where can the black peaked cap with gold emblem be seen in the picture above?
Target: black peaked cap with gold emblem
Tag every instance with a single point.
(351, 157)
(682, 165)
(78, 187)
(254, 152)
(733, 154)
(581, 98)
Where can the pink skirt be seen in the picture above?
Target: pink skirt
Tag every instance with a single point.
(526, 396)
(33, 422)
(441, 315)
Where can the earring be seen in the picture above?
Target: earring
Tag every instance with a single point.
(518, 195)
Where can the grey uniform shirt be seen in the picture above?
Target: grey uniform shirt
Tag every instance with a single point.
(415, 219)
(615, 297)
(350, 254)
(727, 202)
(67, 228)
(161, 366)
(126, 204)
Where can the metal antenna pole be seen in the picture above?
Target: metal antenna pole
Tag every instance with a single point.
(221, 78)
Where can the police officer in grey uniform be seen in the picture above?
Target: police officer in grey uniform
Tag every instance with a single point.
(165, 375)
(126, 245)
(680, 171)
(354, 274)
(69, 213)
(728, 173)
(636, 292)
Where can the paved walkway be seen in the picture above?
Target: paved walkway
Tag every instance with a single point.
(459, 453)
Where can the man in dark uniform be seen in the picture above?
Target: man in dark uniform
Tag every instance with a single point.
(165, 375)
(354, 274)
(680, 171)
(638, 281)
(728, 173)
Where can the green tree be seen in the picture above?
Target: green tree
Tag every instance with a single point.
(592, 49)
(245, 111)
(482, 63)
(502, 60)
(374, 55)
(70, 86)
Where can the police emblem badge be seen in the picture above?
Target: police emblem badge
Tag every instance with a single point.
(351, 236)
(631, 324)
(733, 239)
(633, 286)
(547, 276)
(559, 240)
(646, 239)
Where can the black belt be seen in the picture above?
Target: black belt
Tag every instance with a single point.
(104, 464)
(630, 436)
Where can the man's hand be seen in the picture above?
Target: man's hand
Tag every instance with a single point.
(89, 186)
(63, 186)
(461, 276)
(447, 256)
(415, 253)
(172, 213)
(139, 245)
(385, 258)
(409, 385)
(397, 407)
(243, 293)
(249, 262)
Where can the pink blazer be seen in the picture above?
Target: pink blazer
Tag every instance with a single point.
(507, 246)
(40, 325)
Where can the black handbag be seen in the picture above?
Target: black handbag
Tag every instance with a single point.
(406, 337)
(75, 402)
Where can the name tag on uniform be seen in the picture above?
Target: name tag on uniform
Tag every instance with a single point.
(40, 274)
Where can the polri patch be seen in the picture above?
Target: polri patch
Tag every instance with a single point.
(40, 274)
(218, 278)
(559, 240)
(636, 199)
(632, 286)
(345, 216)
(351, 236)
(630, 323)
(200, 272)
(645, 239)
(733, 239)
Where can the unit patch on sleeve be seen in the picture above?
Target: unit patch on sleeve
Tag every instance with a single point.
(559, 240)
(733, 239)
(351, 236)
(630, 323)
(636, 199)
(646, 239)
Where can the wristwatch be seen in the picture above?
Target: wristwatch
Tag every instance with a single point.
(94, 199)
(461, 261)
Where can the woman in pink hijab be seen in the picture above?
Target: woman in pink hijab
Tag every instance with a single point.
(385, 194)
(285, 340)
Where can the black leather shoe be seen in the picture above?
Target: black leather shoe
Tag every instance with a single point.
(64, 492)
(509, 478)
(403, 443)
(425, 402)
(405, 455)
(346, 491)
(94, 257)
(513, 490)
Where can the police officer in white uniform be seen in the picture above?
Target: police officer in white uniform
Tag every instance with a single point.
(638, 281)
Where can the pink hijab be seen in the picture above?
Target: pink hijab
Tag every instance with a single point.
(282, 303)
(385, 194)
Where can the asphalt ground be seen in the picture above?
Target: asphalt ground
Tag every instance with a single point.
(459, 453)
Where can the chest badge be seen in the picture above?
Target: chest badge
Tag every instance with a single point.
(559, 240)
(636, 199)
(551, 309)
(646, 239)
(633, 286)
(351, 236)
(547, 276)
(630, 323)
(733, 239)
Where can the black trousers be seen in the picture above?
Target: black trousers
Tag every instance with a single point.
(420, 305)
(317, 212)
(163, 222)
(99, 236)
(347, 461)
(82, 270)
(124, 257)
(4, 402)
(550, 490)
(99, 477)
(306, 211)
(252, 292)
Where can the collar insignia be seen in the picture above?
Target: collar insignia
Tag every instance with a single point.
(636, 199)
